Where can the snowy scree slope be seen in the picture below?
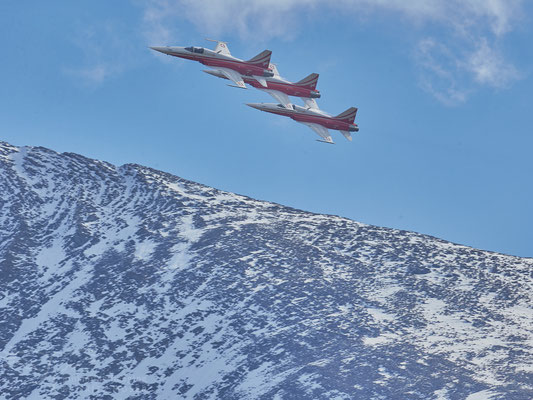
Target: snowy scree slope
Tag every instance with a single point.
(127, 282)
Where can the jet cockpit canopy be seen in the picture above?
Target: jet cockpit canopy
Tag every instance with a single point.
(199, 50)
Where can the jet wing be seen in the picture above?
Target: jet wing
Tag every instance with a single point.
(279, 96)
(233, 76)
(320, 131)
(261, 80)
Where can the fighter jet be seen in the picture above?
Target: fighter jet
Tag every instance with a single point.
(280, 88)
(316, 119)
(223, 62)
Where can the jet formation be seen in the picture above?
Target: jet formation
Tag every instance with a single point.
(261, 74)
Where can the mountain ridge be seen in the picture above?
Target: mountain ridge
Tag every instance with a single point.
(155, 170)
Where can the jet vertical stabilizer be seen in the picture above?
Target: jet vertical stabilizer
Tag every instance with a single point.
(274, 69)
(262, 59)
(348, 115)
(309, 81)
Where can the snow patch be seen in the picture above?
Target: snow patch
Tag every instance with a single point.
(144, 250)
(482, 395)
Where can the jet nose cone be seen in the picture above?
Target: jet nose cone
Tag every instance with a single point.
(163, 50)
(257, 106)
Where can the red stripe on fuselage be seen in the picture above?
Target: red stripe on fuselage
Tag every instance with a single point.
(241, 67)
(284, 87)
(326, 122)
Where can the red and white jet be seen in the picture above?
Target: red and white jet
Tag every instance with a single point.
(280, 88)
(316, 119)
(223, 62)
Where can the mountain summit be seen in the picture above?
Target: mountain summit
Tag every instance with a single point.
(127, 282)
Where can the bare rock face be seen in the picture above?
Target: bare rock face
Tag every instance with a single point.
(126, 282)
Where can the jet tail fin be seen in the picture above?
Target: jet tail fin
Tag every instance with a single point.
(348, 115)
(262, 59)
(309, 81)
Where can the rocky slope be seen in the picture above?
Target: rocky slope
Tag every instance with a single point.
(126, 282)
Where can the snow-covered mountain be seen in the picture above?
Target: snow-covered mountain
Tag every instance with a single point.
(127, 282)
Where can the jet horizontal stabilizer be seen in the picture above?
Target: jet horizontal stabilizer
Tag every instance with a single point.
(324, 141)
(238, 87)
(347, 135)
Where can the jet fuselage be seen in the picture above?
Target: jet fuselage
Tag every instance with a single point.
(215, 60)
(309, 116)
(288, 88)
(273, 83)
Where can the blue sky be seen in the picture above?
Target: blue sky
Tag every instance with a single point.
(444, 90)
